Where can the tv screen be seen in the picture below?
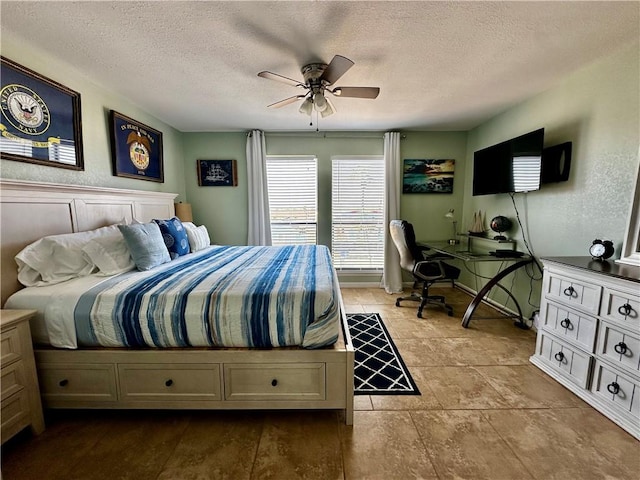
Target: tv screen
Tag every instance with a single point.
(511, 166)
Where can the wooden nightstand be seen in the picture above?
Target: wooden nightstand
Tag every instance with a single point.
(21, 406)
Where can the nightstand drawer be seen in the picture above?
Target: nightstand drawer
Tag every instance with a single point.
(169, 382)
(60, 382)
(574, 293)
(13, 379)
(10, 349)
(14, 414)
(304, 381)
(569, 324)
(620, 347)
(569, 361)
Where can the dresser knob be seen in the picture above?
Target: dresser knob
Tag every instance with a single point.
(569, 291)
(168, 383)
(621, 348)
(274, 382)
(613, 388)
(625, 309)
(63, 383)
(559, 356)
(566, 323)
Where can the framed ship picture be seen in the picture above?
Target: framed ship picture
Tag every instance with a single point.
(40, 121)
(217, 173)
(136, 149)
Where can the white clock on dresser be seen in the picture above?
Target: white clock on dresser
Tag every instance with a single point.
(589, 334)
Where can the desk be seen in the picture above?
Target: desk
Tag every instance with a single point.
(466, 252)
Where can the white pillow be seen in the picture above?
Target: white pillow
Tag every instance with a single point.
(198, 236)
(110, 254)
(57, 258)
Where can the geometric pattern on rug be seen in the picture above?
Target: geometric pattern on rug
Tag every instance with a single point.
(379, 369)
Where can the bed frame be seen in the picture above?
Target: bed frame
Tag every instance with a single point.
(199, 378)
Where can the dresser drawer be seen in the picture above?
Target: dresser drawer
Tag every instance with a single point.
(617, 390)
(620, 347)
(569, 324)
(621, 307)
(10, 346)
(575, 293)
(569, 361)
(87, 382)
(304, 382)
(14, 414)
(13, 379)
(141, 382)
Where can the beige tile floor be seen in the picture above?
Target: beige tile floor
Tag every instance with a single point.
(485, 413)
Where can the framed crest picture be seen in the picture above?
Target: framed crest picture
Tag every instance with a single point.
(217, 173)
(136, 149)
(40, 121)
(428, 176)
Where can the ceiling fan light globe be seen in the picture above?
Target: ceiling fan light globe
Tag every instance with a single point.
(320, 102)
(306, 107)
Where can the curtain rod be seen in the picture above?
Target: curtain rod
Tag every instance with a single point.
(325, 135)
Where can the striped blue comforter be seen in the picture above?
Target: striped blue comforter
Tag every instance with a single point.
(220, 297)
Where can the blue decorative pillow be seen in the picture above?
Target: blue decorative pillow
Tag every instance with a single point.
(175, 236)
(145, 244)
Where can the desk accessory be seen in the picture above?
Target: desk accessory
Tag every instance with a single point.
(499, 225)
(453, 240)
(601, 249)
(477, 227)
(505, 253)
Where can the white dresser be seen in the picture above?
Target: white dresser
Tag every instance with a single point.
(589, 334)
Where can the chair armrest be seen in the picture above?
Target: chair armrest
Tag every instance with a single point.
(422, 276)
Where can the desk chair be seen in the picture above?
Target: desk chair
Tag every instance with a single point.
(424, 270)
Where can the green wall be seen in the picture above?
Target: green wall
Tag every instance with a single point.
(96, 101)
(598, 109)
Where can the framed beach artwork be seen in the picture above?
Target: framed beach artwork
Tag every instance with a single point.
(217, 173)
(40, 121)
(136, 149)
(428, 175)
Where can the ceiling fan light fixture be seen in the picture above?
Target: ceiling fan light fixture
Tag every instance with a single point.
(306, 107)
(329, 110)
(320, 102)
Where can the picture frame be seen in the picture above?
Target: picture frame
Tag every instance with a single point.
(217, 173)
(40, 121)
(136, 149)
(428, 175)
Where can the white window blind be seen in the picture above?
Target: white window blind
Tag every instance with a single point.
(357, 213)
(526, 173)
(293, 199)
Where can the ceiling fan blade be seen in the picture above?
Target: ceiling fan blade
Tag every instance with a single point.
(280, 78)
(356, 92)
(338, 67)
(286, 101)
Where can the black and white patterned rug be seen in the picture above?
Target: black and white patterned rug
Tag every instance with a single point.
(379, 369)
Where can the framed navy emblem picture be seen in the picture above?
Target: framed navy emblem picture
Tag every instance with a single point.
(136, 149)
(217, 173)
(40, 121)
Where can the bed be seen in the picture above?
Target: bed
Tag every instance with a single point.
(286, 347)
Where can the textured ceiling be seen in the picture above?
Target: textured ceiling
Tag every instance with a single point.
(440, 65)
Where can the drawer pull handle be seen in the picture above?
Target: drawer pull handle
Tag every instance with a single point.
(621, 348)
(559, 356)
(63, 383)
(625, 309)
(613, 387)
(569, 291)
(168, 383)
(274, 382)
(566, 323)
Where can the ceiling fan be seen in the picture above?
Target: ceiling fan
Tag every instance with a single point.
(318, 78)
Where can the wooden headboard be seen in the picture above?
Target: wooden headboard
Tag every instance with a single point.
(32, 210)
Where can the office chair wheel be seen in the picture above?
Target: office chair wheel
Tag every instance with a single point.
(450, 313)
(397, 303)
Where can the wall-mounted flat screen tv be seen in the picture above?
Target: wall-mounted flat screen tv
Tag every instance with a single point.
(511, 166)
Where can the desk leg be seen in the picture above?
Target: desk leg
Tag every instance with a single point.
(488, 286)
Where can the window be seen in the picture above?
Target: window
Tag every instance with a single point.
(293, 199)
(357, 213)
